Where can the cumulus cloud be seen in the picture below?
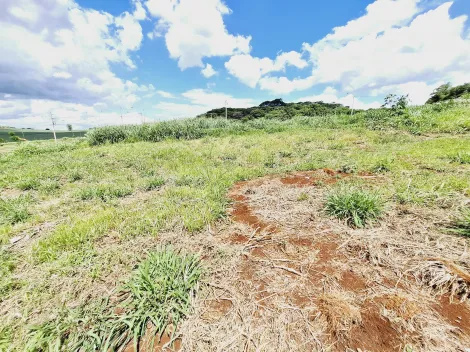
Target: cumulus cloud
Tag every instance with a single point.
(330, 95)
(208, 71)
(199, 101)
(164, 94)
(249, 69)
(395, 47)
(59, 51)
(194, 30)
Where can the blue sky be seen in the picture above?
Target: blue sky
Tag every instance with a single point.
(101, 62)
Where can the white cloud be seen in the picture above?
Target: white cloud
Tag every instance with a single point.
(208, 71)
(164, 94)
(330, 95)
(394, 47)
(194, 30)
(198, 102)
(63, 52)
(249, 70)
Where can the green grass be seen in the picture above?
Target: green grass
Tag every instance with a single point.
(14, 210)
(357, 207)
(89, 203)
(104, 192)
(460, 158)
(158, 293)
(461, 226)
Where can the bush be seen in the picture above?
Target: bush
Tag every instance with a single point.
(356, 206)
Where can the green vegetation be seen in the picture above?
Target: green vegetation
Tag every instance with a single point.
(15, 210)
(461, 226)
(158, 293)
(356, 206)
(93, 207)
(277, 109)
(417, 120)
(446, 92)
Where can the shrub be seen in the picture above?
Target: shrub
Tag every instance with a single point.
(356, 206)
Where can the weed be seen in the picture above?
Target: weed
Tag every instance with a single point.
(159, 293)
(302, 197)
(461, 225)
(28, 184)
(15, 210)
(153, 183)
(75, 175)
(356, 206)
(460, 158)
(104, 192)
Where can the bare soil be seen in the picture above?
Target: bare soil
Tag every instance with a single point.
(285, 277)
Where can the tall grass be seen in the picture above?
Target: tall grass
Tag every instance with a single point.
(422, 119)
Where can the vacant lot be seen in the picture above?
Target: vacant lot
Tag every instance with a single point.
(301, 238)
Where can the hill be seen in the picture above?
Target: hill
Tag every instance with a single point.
(278, 109)
(446, 92)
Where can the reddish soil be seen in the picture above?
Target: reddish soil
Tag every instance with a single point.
(327, 251)
(456, 314)
(237, 238)
(352, 282)
(313, 178)
(216, 309)
(243, 213)
(374, 334)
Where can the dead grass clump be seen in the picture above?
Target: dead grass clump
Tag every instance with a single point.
(340, 313)
(444, 276)
(401, 306)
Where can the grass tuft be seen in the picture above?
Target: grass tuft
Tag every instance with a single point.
(153, 183)
(104, 192)
(356, 206)
(15, 210)
(460, 158)
(159, 293)
(462, 225)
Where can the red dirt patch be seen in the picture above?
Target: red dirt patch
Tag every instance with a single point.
(456, 314)
(374, 334)
(237, 238)
(216, 309)
(327, 251)
(243, 213)
(352, 282)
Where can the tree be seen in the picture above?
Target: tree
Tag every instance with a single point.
(13, 136)
(69, 127)
(439, 94)
(396, 103)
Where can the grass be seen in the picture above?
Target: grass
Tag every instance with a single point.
(158, 293)
(87, 205)
(14, 210)
(461, 226)
(356, 206)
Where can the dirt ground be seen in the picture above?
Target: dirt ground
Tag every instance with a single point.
(282, 276)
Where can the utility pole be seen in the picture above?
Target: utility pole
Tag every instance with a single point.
(226, 110)
(352, 111)
(54, 120)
